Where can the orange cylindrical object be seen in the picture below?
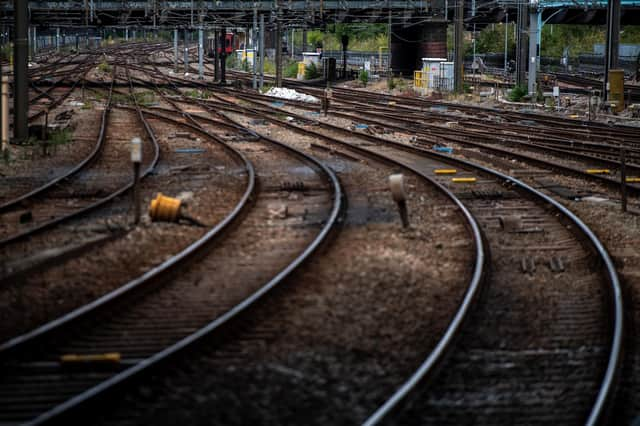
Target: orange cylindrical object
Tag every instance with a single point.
(164, 209)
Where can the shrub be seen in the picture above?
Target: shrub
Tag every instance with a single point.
(104, 67)
(269, 67)
(311, 72)
(231, 61)
(391, 83)
(291, 70)
(60, 137)
(517, 93)
(364, 77)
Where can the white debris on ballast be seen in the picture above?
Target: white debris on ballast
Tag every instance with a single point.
(284, 93)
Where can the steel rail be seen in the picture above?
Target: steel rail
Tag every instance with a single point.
(445, 134)
(474, 287)
(222, 320)
(611, 375)
(614, 364)
(102, 201)
(88, 159)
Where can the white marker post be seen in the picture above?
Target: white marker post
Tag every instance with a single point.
(5, 116)
(136, 159)
(396, 185)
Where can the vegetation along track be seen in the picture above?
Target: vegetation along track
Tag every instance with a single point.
(204, 295)
(542, 263)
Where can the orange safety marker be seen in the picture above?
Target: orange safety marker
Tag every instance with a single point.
(164, 208)
(598, 171)
(463, 180)
(445, 171)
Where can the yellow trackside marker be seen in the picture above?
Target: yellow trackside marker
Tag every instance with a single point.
(463, 180)
(633, 179)
(75, 358)
(445, 171)
(598, 171)
(574, 116)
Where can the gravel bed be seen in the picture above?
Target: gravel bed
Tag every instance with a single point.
(345, 331)
(210, 182)
(28, 168)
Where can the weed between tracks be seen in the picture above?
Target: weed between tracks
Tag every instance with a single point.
(142, 98)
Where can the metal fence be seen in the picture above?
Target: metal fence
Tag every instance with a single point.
(377, 60)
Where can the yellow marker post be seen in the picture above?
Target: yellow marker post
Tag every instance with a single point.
(445, 171)
(598, 171)
(110, 357)
(463, 180)
(633, 179)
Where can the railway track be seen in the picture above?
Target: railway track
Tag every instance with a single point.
(567, 155)
(141, 347)
(104, 239)
(541, 250)
(198, 119)
(45, 208)
(275, 344)
(11, 203)
(552, 243)
(551, 307)
(631, 91)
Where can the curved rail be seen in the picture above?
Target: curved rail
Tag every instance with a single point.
(154, 360)
(471, 294)
(92, 155)
(113, 195)
(608, 383)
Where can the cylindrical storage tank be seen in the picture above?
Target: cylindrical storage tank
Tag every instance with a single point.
(616, 88)
(433, 40)
(431, 67)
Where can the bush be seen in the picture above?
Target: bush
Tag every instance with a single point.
(197, 94)
(60, 137)
(104, 67)
(291, 70)
(391, 83)
(231, 61)
(269, 67)
(364, 77)
(517, 93)
(311, 72)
